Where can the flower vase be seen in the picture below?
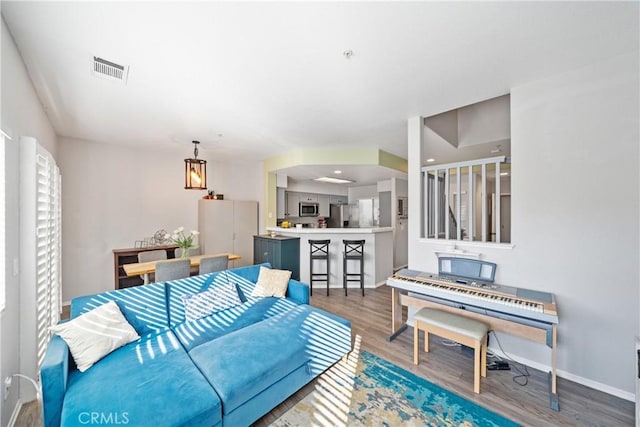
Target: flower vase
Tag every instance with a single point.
(185, 253)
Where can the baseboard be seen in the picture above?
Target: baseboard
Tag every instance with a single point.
(572, 377)
(15, 413)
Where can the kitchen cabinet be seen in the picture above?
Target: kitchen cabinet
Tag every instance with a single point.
(306, 197)
(293, 202)
(323, 205)
(281, 252)
(130, 256)
(338, 200)
(228, 226)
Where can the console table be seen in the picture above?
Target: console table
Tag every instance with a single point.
(130, 256)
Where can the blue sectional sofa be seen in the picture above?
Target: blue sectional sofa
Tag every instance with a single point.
(226, 369)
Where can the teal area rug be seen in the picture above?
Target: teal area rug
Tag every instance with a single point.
(365, 390)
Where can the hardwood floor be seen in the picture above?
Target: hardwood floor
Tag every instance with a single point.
(450, 368)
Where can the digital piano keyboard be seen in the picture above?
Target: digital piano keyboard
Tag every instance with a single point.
(469, 291)
(529, 305)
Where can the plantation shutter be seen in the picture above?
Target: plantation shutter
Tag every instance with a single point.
(40, 253)
(48, 238)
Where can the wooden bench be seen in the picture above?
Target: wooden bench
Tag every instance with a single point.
(463, 330)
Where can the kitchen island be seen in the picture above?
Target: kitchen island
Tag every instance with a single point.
(378, 253)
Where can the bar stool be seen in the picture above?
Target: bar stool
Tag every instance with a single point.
(318, 251)
(353, 251)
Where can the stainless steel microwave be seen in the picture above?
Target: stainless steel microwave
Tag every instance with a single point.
(308, 209)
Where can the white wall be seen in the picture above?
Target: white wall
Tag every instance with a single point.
(362, 192)
(316, 187)
(484, 122)
(574, 138)
(113, 195)
(22, 115)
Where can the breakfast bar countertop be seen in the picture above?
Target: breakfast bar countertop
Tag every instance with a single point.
(378, 251)
(318, 230)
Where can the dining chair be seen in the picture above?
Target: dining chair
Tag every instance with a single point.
(192, 252)
(147, 256)
(214, 263)
(172, 269)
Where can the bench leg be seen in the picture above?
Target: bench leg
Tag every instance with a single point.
(416, 344)
(426, 341)
(483, 362)
(477, 350)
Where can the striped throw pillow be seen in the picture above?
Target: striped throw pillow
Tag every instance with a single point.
(212, 300)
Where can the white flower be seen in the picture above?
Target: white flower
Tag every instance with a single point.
(195, 232)
(180, 228)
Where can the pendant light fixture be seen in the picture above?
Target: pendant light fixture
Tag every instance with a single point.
(195, 171)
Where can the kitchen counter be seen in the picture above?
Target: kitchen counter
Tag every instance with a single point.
(318, 230)
(378, 253)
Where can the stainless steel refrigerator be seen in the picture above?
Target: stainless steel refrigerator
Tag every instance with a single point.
(368, 212)
(338, 216)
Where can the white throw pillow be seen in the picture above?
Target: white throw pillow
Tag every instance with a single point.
(93, 335)
(271, 283)
(212, 300)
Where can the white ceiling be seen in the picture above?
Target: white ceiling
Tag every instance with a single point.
(254, 80)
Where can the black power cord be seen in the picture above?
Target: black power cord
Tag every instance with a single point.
(522, 379)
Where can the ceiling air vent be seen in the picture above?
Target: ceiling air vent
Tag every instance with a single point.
(110, 70)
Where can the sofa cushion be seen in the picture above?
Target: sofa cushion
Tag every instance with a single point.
(250, 272)
(149, 382)
(241, 364)
(94, 334)
(192, 334)
(144, 307)
(177, 289)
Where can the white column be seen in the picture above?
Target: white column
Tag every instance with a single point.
(416, 226)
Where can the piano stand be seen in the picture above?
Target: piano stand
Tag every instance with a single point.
(553, 395)
(396, 333)
(529, 332)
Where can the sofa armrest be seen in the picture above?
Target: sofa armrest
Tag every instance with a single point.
(298, 291)
(53, 378)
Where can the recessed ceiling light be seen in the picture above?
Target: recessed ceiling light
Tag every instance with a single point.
(333, 180)
(348, 53)
(431, 160)
(337, 172)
